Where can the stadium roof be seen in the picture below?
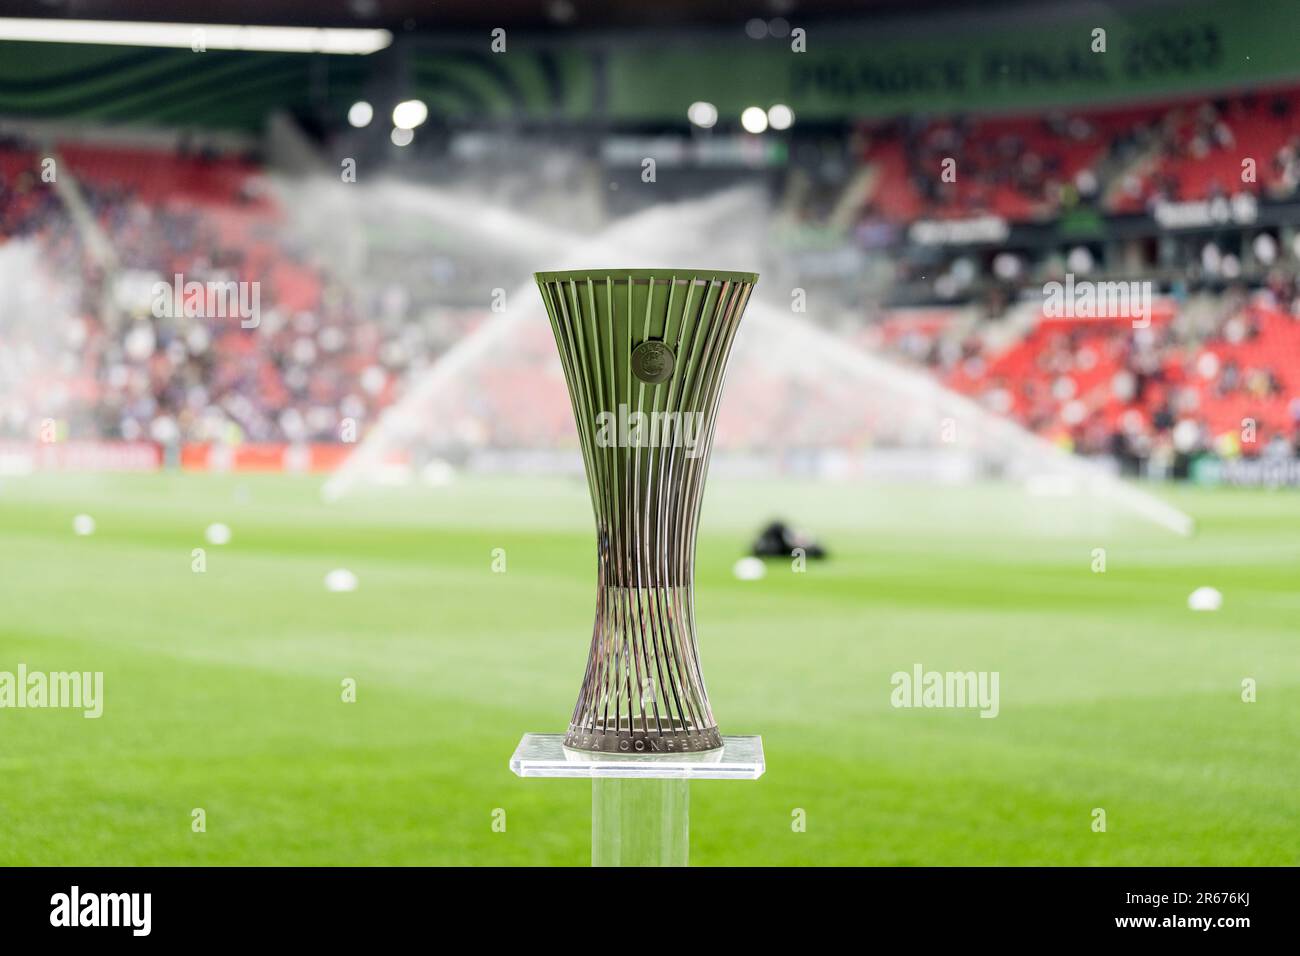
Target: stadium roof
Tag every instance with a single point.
(424, 15)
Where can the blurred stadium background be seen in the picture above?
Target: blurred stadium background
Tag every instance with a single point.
(901, 388)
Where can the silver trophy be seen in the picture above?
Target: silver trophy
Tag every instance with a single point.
(645, 356)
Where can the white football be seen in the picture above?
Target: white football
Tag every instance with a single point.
(340, 580)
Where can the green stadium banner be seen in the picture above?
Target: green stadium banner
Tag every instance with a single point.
(168, 87)
(1003, 62)
(971, 61)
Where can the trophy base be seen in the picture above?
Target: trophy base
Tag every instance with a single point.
(647, 742)
(544, 755)
(640, 803)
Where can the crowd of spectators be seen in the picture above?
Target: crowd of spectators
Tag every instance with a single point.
(1127, 160)
(1217, 375)
(326, 353)
(104, 360)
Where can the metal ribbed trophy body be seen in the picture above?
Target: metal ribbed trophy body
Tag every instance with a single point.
(645, 354)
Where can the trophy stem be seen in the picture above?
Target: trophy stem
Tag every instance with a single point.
(638, 822)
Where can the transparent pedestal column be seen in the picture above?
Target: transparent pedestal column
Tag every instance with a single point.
(640, 822)
(640, 804)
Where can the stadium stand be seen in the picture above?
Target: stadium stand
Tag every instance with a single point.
(170, 378)
(1030, 168)
(327, 350)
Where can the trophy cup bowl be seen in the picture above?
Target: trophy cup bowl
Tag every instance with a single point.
(644, 353)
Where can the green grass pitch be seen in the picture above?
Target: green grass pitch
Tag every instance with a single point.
(223, 689)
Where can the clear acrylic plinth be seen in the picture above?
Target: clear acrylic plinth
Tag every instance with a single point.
(640, 803)
(544, 755)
